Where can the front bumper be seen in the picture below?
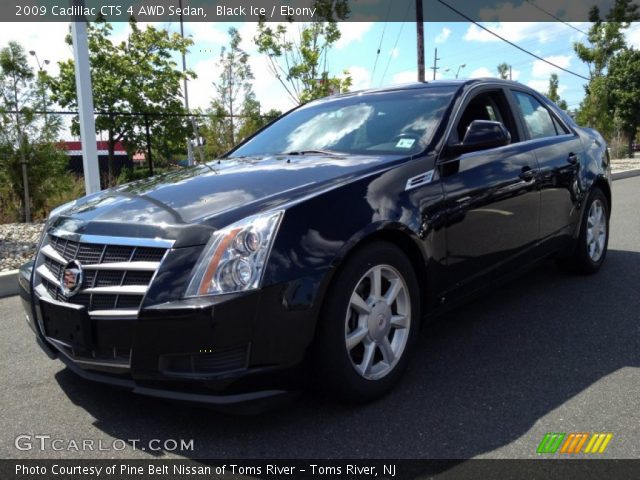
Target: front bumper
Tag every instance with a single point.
(245, 350)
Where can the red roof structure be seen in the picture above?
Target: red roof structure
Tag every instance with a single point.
(75, 148)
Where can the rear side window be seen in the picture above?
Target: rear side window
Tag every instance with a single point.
(537, 119)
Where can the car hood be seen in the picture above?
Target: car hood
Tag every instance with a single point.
(201, 193)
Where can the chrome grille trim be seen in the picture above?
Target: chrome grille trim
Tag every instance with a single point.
(117, 271)
(117, 290)
(48, 251)
(116, 313)
(44, 272)
(129, 266)
(106, 240)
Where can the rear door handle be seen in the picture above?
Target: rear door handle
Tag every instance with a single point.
(527, 174)
(572, 159)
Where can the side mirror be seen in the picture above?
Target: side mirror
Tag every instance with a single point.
(482, 134)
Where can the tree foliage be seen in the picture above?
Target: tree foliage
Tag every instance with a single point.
(135, 76)
(605, 39)
(24, 136)
(503, 70)
(623, 84)
(606, 35)
(552, 93)
(234, 87)
(235, 111)
(300, 59)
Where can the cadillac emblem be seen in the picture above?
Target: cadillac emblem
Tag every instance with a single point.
(71, 278)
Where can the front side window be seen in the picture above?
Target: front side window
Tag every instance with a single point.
(537, 119)
(376, 123)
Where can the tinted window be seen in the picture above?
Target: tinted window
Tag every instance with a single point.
(486, 106)
(391, 122)
(537, 119)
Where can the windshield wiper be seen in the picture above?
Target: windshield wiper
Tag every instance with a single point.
(311, 152)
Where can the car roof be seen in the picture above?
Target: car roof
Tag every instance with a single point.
(432, 83)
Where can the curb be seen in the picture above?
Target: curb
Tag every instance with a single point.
(9, 283)
(625, 174)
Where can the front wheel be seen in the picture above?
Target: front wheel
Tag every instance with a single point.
(369, 323)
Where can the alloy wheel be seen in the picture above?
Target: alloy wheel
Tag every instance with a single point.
(596, 230)
(378, 321)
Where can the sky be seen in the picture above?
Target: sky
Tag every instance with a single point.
(461, 46)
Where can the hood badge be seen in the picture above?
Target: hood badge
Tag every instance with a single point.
(72, 277)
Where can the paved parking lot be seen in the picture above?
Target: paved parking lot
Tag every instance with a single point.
(549, 352)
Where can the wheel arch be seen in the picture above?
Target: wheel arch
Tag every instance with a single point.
(603, 184)
(403, 238)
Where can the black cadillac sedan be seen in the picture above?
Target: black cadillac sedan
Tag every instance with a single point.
(316, 248)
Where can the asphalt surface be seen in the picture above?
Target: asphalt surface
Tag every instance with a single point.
(549, 352)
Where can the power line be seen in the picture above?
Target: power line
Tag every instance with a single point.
(510, 42)
(553, 16)
(406, 12)
(384, 28)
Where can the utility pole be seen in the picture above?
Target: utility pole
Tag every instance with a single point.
(435, 63)
(509, 72)
(420, 39)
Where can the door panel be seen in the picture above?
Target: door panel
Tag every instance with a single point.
(557, 183)
(557, 151)
(492, 208)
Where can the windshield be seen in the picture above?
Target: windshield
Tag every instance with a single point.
(376, 123)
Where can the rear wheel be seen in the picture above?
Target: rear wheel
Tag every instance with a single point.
(369, 323)
(591, 246)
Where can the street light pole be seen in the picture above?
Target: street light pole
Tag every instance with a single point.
(190, 159)
(186, 92)
(459, 67)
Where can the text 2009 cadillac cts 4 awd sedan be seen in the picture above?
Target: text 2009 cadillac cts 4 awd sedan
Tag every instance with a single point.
(316, 248)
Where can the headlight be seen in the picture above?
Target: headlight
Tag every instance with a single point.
(235, 257)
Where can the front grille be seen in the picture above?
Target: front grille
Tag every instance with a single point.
(115, 277)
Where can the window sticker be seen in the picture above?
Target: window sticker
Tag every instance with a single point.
(405, 143)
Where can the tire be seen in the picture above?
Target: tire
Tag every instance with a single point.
(591, 246)
(353, 359)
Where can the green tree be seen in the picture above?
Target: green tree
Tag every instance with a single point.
(27, 149)
(234, 85)
(300, 61)
(138, 75)
(235, 111)
(503, 70)
(252, 119)
(623, 82)
(605, 39)
(552, 93)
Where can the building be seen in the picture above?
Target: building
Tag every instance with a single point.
(74, 152)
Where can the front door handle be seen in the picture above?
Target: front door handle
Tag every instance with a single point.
(527, 174)
(572, 159)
